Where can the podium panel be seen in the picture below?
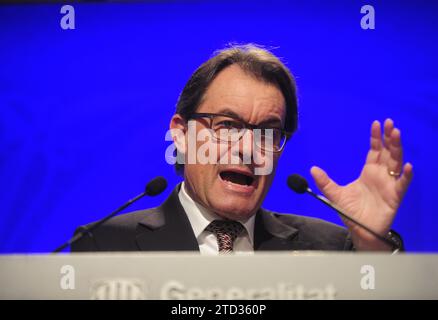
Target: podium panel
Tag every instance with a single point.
(174, 276)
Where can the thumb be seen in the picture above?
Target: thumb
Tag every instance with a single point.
(327, 186)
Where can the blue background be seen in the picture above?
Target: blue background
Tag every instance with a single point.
(83, 113)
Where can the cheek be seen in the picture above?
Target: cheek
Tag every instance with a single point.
(266, 163)
(269, 168)
(202, 148)
(201, 165)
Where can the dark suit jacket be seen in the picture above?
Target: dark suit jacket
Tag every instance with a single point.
(167, 228)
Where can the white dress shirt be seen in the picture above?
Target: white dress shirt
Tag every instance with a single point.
(200, 217)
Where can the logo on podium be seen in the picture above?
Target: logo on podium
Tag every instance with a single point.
(118, 289)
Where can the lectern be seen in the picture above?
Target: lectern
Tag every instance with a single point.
(174, 276)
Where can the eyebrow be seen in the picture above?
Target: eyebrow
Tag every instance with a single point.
(272, 120)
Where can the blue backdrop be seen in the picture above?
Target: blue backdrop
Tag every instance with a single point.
(83, 113)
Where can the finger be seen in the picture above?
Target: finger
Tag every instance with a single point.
(375, 143)
(395, 161)
(388, 126)
(405, 179)
(327, 186)
(387, 130)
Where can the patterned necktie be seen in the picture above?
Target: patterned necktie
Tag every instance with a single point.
(226, 232)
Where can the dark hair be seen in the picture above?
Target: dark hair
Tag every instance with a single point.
(253, 59)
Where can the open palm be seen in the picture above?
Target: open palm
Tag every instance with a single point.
(374, 198)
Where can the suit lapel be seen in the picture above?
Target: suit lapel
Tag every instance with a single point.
(166, 228)
(271, 234)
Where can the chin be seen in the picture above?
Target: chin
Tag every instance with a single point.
(234, 211)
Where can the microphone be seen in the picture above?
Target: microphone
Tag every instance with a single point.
(156, 186)
(153, 188)
(299, 184)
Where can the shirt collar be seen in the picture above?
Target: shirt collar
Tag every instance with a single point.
(200, 217)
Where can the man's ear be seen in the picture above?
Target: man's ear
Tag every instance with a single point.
(178, 130)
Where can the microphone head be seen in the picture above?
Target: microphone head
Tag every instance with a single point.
(297, 183)
(156, 186)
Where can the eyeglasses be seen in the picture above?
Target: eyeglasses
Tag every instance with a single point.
(230, 128)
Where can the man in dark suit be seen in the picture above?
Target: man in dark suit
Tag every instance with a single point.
(167, 228)
(243, 105)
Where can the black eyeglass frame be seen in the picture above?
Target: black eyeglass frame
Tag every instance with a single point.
(245, 126)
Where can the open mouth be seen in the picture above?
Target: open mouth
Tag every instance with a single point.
(237, 178)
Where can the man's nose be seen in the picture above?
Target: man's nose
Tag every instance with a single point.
(246, 148)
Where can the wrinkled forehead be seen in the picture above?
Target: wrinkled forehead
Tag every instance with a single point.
(253, 100)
